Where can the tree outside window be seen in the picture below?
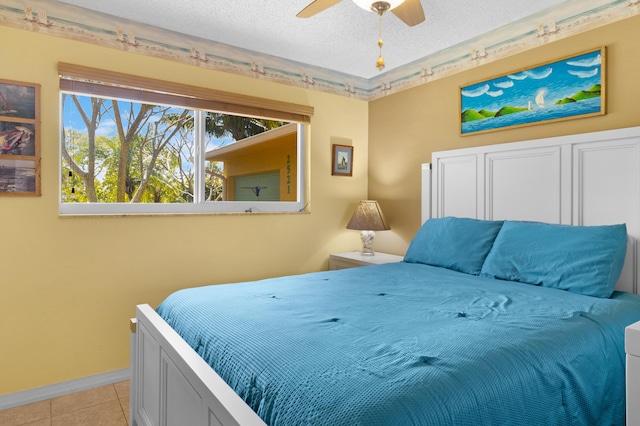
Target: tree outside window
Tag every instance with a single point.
(117, 151)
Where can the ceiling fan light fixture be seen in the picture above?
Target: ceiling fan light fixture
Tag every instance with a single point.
(377, 6)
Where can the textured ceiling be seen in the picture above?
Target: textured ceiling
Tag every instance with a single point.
(342, 38)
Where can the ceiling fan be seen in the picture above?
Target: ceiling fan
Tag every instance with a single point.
(409, 11)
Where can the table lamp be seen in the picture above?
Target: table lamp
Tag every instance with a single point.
(368, 218)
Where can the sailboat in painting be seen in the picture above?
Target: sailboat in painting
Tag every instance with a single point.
(4, 107)
(540, 99)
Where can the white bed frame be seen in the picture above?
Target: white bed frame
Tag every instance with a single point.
(584, 179)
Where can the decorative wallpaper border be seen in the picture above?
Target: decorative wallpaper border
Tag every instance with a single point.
(64, 20)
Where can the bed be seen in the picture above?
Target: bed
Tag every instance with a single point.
(455, 334)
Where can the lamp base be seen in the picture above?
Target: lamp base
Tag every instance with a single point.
(367, 243)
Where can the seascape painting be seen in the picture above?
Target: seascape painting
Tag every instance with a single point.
(568, 88)
(17, 100)
(18, 176)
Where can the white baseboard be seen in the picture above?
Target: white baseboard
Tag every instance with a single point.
(64, 388)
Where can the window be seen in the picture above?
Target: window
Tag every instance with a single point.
(129, 147)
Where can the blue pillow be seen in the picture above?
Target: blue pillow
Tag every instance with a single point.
(581, 259)
(460, 244)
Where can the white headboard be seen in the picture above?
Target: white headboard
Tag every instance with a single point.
(584, 179)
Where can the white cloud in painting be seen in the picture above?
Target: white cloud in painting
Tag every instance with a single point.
(474, 93)
(539, 75)
(504, 84)
(587, 62)
(534, 74)
(584, 74)
(520, 76)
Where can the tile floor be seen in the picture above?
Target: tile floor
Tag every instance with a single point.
(102, 406)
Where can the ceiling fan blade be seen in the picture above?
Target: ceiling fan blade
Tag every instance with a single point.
(316, 6)
(410, 12)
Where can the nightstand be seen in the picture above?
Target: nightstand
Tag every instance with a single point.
(632, 348)
(352, 259)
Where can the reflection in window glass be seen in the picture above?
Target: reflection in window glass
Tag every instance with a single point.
(118, 151)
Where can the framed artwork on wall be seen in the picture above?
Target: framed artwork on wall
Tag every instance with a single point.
(567, 88)
(19, 138)
(342, 160)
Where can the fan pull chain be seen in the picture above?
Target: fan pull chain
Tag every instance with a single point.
(380, 61)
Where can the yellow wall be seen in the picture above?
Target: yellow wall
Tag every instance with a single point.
(405, 128)
(70, 284)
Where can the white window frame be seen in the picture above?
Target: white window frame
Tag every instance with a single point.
(199, 205)
(81, 75)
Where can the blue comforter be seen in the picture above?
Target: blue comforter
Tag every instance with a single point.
(411, 344)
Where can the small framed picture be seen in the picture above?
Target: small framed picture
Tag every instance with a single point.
(342, 163)
(18, 177)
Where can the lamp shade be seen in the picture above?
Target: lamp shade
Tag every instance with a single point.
(368, 217)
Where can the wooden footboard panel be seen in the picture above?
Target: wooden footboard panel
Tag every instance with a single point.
(172, 385)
